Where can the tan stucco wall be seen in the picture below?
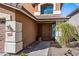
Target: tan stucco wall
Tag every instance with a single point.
(4, 9)
(36, 8)
(29, 7)
(74, 20)
(58, 5)
(29, 28)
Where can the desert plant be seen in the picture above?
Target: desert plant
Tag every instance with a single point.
(22, 54)
(68, 33)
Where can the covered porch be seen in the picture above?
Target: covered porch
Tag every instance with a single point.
(47, 27)
(47, 31)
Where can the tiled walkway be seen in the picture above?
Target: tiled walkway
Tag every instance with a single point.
(44, 49)
(41, 49)
(2, 54)
(62, 52)
(58, 51)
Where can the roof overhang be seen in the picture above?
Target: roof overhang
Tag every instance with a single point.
(40, 18)
(51, 17)
(25, 12)
(2, 18)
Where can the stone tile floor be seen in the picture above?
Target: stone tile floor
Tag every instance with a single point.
(2, 54)
(54, 50)
(41, 49)
(62, 51)
(46, 48)
(49, 49)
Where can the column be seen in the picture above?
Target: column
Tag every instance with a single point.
(58, 30)
(13, 41)
(38, 13)
(57, 9)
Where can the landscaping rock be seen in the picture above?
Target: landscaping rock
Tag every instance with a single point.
(73, 44)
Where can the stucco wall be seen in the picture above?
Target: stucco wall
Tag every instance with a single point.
(7, 10)
(29, 28)
(74, 20)
(58, 5)
(29, 7)
(36, 8)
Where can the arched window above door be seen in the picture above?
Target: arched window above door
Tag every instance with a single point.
(47, 9)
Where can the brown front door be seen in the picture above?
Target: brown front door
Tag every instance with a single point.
(46, 31)
(2, 35)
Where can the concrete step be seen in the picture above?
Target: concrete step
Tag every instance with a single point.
(3, 54)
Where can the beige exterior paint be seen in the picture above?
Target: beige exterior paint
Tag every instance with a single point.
(29, 28)
(58, 6)
(74, 20)
(7, 10)
(2, 36)
(36, 8)
(29, 7)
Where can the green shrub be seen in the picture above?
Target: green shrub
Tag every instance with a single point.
(22, 54)
(68, 32)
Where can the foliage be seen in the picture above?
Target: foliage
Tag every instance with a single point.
(22, 54)
(68, 33)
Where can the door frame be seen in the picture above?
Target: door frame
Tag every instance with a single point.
(53, 30)
(46, 31)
